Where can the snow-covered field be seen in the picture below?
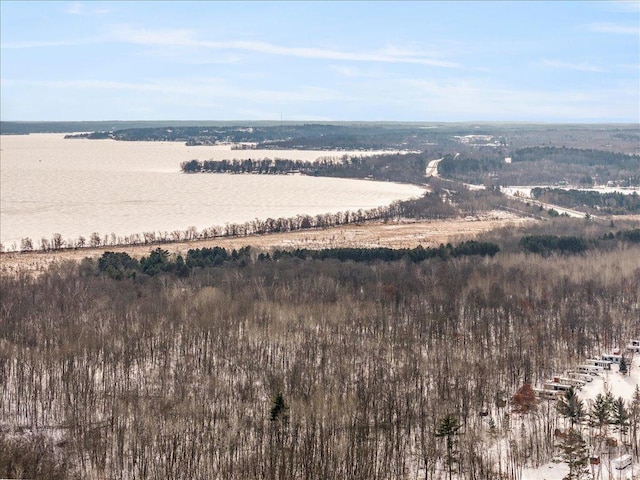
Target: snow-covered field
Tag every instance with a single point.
(525, 191)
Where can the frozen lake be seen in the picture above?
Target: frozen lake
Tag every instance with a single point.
(76, 187)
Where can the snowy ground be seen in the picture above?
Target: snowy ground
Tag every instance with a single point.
(619, 386)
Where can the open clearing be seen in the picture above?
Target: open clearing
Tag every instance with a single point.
(401, 234)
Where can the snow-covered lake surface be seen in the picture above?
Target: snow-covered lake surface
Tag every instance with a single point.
(76, 187)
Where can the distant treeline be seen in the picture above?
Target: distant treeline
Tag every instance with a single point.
(615, 203)
(415, 255)
(252, 227)
(576, 156)
(547, 244)
(571, 244)
(436, 205)
(409, 167)
(89, 136)
(25, 128)
(121, 265)
(286, 136)
(473, 168)
(632, 236)
(543, 165)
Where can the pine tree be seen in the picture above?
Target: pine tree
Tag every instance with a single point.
(634, 418)
(600, 413)
(576, 456)
(623, 366)
(620, 416)
(279, 409)
(448, 428)
(571, 407)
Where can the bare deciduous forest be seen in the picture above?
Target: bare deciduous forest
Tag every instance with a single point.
(303, 368)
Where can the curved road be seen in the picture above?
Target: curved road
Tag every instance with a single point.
(432, 171)
(432, 168)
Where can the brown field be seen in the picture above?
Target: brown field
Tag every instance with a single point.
(405, 233)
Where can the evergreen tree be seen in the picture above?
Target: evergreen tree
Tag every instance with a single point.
(448, 428)
(575, 454)
(623, 366)
(634, 419)
(571, 407)
(608, 397)
(279, 409)
(620, 416)
(600, 413)
(278, 438)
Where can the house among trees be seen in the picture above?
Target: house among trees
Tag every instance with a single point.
(590, 369)
(602, 363)
(634, 346)
(557, 386)
(574, 382)
(613, 358)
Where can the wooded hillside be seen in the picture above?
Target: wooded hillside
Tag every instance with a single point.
(301, 368)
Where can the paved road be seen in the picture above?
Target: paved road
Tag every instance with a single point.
(432, 171)
(548, 206)
(432, 168)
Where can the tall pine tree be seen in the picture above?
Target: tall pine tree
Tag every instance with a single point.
(448, 428)
(620, 416)
(571, 407)
(600, 413)
(576, 456)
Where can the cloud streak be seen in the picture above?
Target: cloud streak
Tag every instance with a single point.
(185, 38)
(79, 8)
(580, 67)
(614, 28)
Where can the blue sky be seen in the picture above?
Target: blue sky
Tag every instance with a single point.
(321, 61)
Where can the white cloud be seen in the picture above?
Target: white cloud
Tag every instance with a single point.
(615, 28)
(79, 8)
(581, 67)
(186, 38)
(158, 37)
(350, 72)
(625, 5)
(477, 99)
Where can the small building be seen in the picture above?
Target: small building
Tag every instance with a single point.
(603, 363)
(590, 369)
(634, 346)
(580, 376)
(546, 394)
(557, 386)
(574, 382)
(612, 358)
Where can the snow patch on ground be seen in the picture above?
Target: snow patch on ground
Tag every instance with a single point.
(620, 386)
